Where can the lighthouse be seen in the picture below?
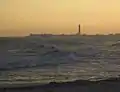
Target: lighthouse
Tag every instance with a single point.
(79, 31)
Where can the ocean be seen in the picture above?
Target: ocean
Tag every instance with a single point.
(44, 59)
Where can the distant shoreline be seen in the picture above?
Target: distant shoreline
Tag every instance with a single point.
(117, 34)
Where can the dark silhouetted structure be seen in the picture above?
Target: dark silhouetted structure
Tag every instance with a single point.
(79, 30)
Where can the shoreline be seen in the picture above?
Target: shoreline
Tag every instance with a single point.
(111, 83)
(20, 84)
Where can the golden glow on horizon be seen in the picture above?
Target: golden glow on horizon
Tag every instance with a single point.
(21, 17)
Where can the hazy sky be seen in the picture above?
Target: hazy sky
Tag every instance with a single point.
(21, 17)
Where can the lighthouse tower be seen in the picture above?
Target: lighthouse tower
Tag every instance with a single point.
(79, 31)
